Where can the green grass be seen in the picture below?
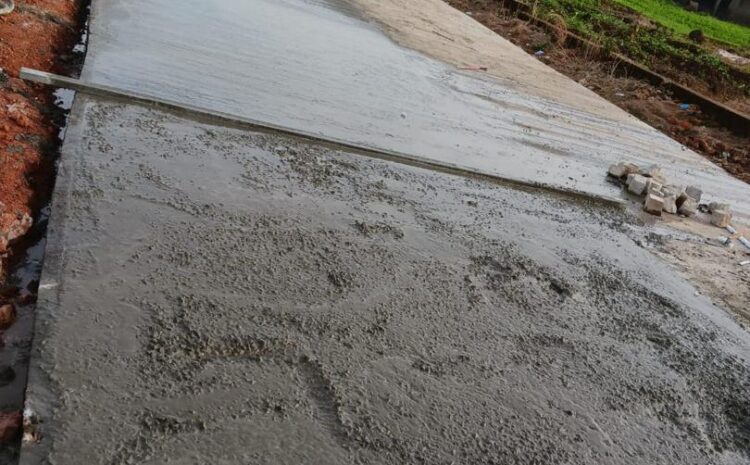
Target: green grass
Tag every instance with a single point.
(682, 21)
(661, 48)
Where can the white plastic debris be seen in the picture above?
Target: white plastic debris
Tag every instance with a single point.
(726, 241)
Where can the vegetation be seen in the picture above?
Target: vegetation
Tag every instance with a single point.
(671, 15)
(658, 46)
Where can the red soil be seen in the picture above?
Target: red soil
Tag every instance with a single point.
(34, 35)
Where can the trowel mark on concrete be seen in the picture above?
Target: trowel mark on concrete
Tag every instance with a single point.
(154, 429)
(322, 393)
(494, 331)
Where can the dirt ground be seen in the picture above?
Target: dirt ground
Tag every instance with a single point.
(722, 275)
(696, 250)
(38, 34)
(649, 103)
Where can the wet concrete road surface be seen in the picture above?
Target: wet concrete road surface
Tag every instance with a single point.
(214, 295)
(320, 67)
(219, 296)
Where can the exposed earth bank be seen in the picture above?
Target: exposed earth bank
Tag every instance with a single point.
(37, 34)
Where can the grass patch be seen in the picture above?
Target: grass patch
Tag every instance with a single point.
(682, 21)
(659, 47)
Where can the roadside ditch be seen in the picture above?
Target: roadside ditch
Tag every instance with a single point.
(48, 35)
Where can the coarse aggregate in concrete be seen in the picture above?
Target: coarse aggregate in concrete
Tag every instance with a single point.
(219, 296)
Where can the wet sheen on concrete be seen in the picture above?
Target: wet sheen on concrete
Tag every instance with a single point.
(218, 296)
(317, 66)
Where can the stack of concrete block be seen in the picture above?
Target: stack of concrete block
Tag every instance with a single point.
(659, 195)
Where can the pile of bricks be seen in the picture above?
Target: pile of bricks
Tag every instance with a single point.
(660, 196)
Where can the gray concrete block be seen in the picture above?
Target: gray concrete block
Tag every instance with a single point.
(688, 207)
(721, 218)
(652, 171)
(632, 168)
(670, 204)
(694, 193)
(717, 206)
(638, 184)
(618, 170)
(654, 204)
(669, 189)
(654, 187)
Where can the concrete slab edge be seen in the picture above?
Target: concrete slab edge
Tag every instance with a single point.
(42, 396)
(226, 119)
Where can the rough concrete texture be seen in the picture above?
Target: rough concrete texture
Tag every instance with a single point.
(320, 66)
(218, 296)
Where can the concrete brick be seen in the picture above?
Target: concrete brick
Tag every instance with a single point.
(638, 184)
(654, 204)
(632, 168)
(652, 171)
(654, 187)
(670, 204)
(721, 218)
(688, 207)
(694, 193)
(660, 179)
(618, 170)
(669, 189)
(716, 206)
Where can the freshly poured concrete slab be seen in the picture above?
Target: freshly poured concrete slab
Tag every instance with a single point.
(318, 66)
(212, 295)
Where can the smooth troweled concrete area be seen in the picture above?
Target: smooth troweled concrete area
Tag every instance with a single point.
(213, 295)
(319, 66)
